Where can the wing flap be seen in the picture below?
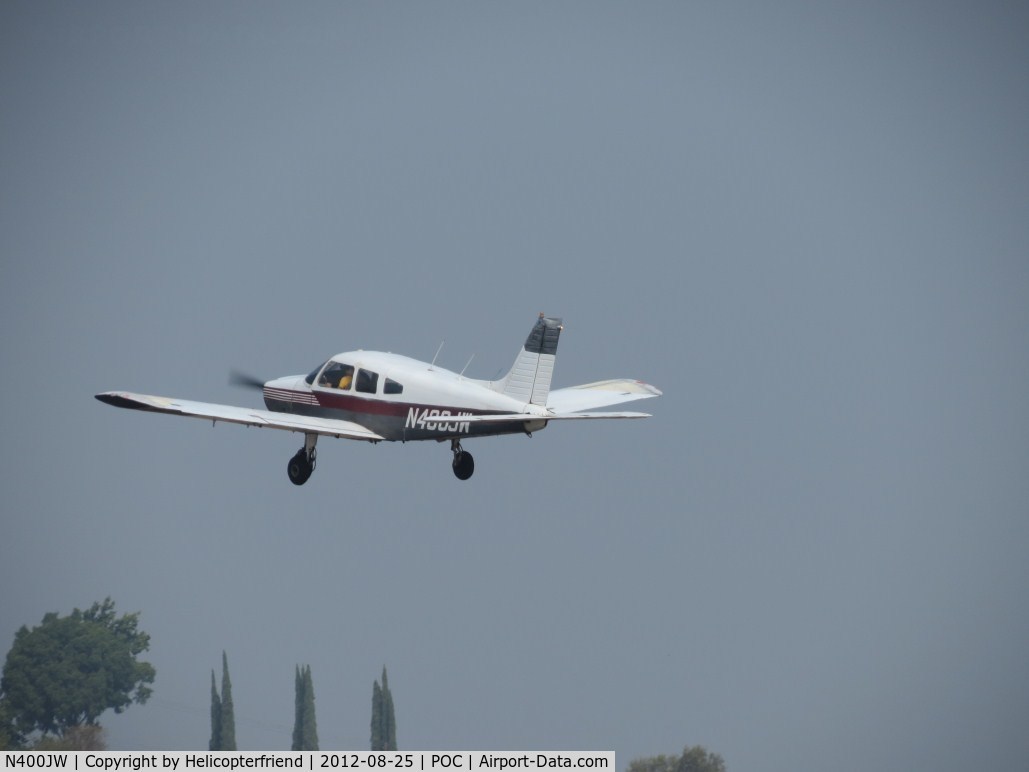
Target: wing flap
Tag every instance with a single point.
(574, 399)
(328, 427)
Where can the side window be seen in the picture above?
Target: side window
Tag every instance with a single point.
(367, 381)
(336, 375)
(392, 387)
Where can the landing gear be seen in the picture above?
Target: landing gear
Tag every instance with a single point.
(303, 463)
(300, 467)
(463, 463)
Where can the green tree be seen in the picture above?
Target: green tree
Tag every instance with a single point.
(693, 759)
(298, 710)
(384, 724)
(377, 741)
(215, 743)
(10, 738)
(228, 714)
(305, 726)
(69, 670)
(391, 721)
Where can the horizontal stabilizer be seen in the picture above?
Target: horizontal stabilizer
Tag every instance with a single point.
(328, 427)
(588, 396)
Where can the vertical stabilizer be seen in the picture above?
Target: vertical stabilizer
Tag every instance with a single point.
(530, 376)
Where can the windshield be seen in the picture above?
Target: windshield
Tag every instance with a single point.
(314, 374)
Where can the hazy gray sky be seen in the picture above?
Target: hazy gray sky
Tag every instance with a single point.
(808, 223)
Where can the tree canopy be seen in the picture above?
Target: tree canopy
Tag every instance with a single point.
(69, 670)
(693, 759)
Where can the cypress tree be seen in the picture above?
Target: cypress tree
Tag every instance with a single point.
(309, 729)
(389, 719)
(216, 718)
(228, 716)
(384, 724)
(305, 726)
(377, 743)
(298, 711)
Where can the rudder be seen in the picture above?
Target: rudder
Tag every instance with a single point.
(530, 376)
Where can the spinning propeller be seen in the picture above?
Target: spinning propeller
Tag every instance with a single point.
(236, 378)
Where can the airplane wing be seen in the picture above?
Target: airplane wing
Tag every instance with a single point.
(328, 427)
(574, 399)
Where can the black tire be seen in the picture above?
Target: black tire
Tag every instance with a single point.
(299, 468)
(464, 465)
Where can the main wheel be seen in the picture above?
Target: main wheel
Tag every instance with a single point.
(464, 464)
(299, 468)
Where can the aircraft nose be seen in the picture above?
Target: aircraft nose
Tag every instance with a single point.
(281, 393)
(288, 382)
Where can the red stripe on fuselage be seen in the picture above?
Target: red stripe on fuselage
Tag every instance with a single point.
(352, 403)
(394, 421)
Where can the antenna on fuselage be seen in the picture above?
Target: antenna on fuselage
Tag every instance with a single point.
(466, 366)
(433, 362)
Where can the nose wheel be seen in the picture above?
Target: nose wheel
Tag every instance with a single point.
(303, 463)
(463, 462)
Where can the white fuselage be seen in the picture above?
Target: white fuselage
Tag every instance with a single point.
(393, 395)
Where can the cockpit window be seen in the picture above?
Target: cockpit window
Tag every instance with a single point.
(392, 387)
(336, 375)
(314, 374)
(367, 381)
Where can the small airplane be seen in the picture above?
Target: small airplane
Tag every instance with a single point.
(375, 396)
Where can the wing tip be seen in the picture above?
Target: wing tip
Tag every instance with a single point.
(654, 390)
(116, 398)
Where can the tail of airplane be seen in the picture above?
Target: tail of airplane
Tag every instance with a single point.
(529, 378)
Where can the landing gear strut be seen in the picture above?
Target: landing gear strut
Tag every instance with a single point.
(463, 464)
(303, 463)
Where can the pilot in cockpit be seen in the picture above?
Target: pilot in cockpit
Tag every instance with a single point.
(337, 375)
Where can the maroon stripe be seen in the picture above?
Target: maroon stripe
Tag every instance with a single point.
(357, 404)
